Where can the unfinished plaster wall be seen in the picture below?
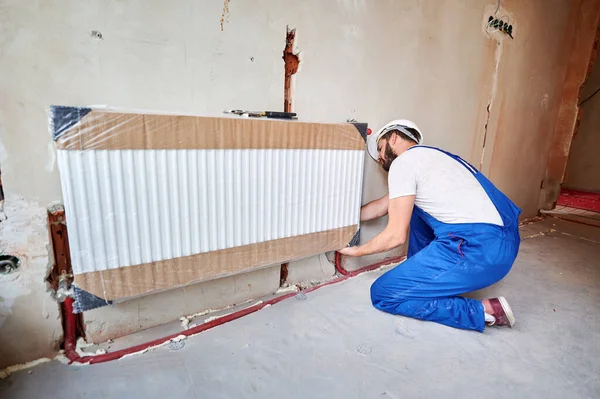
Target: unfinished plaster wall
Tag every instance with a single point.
(29, 319)
(583, 45)
(531, 78)
(583, 167)
(373, 61)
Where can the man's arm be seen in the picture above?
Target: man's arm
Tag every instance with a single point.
(374, 209)
(395, 234)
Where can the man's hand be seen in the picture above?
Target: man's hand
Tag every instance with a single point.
(350, 251)
(400, 211)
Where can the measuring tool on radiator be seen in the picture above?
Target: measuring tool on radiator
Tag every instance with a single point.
(261, 114)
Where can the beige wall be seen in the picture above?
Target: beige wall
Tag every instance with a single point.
(372, 60)
(583, 167)
(582, 48)
(531, 79)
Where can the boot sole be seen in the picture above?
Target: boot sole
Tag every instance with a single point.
(507, 310)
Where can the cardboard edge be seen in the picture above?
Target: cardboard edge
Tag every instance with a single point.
(62, 118)
(66, 121)
(82, 279)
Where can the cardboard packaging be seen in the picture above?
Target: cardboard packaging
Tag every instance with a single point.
(160, 201)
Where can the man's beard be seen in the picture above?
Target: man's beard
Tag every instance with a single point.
(389, 157)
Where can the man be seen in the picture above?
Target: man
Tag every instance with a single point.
(464, 233)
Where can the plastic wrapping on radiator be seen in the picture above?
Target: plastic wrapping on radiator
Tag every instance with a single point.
(157, 201)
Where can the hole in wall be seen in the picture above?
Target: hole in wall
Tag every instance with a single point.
(8, 264)
(96, 34)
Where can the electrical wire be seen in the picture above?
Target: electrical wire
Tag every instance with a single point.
(589, 97)
(502, 18)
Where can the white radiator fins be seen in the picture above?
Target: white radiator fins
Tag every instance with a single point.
(141, 206)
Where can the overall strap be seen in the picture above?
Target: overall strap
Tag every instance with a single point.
(508, 211)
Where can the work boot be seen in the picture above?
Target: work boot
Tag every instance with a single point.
(502, 316)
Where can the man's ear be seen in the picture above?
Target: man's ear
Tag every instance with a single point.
(393, 138)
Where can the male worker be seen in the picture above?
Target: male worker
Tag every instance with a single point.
(464, 233)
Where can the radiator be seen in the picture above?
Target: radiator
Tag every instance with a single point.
(155, 202)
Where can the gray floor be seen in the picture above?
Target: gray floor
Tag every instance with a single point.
(335, 345)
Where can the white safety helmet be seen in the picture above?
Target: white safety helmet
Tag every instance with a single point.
(397, 124)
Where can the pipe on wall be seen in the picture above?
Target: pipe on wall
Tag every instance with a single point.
(70, 332)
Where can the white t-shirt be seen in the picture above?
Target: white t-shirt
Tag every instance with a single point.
(443, 187)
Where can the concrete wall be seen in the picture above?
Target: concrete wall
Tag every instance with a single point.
(428, 60)
(583, 167)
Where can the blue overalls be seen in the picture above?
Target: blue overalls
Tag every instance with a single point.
(446, 260)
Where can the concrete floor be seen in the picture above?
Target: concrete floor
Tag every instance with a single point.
(334, 344)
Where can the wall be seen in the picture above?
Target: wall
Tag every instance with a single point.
(29, 319)
(427, 60)
(583, 45)
(583, 167)
(531, 80)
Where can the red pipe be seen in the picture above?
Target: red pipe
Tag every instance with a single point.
(338, 264)
(70, 320)
(70, 330)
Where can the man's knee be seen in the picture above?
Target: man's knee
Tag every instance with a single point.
(397, 302)
(384, 297)
(376, 293)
